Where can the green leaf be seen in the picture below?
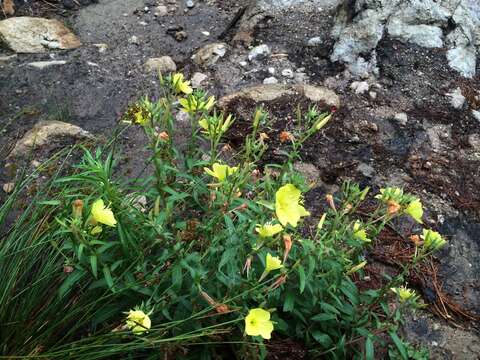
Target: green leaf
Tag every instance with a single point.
(301, 275)
(108, 276)
(49, 202)
(267, 204)
(289, 303)
(69, 282)
(369, 350)
(329, 308)
(93, 264)
(399, 344)
(322, 338)
(324, 317)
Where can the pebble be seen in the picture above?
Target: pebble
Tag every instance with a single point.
(68, 4)
(206, 33)
(243, 63)
(270, 80)
(456, 98)
(474, 141)
(190, 4)
(476, 114)
(161, 10)
(162, 64)
(288, 73)
(372, 94)
(402, 118)
(259, 52)
(359, 87)
(44, 64)
(8, 187)
(197, 79)
(133, 40)
(314, 41)
(101, 47)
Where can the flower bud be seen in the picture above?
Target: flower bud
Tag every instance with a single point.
(164, 136)
(77, 209)
(287, 243)
(331, 202)
(392, 207)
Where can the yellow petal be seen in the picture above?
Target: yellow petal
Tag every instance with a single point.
(415, 210)
(272, 263)
(287, 205)
(268, 230)
(103, 214)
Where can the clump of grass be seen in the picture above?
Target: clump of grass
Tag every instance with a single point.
(208, 254)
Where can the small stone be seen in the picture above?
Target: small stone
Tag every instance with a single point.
(190, 4)
(133, 40)
(288, 73)
(309, 171)
(243, 63)
(366, 170)
(101, 47)
(271, 70)
(359, 87)
(314, 41)
(161, 10)
(259, 52)
(474, 141)
(44, 64)
(68, 4)
(206, 33)
(210, 54)
(436, 327)
(181, 35)
(270, 80)
(372, 94)
(456, 98)
(164, 64)
(197, 79)
(476, 114)
(8, 187)
(402, 118)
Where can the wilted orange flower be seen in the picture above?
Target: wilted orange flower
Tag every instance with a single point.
(263, 136)
(285, 136)
(330, 202)
(416, 240)
(163, 136)
(282, 279)
(248, 265)
(393, 207)
(77, 208)
(287, 243)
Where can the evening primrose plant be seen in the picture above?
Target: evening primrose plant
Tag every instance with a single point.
(211, 246)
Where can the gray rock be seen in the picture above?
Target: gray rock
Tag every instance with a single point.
(310, 172)
(463, 59)
(134, 40)
(197, 79)
(476, 114)
(270, 80)
(162, 65)
(210, 54)
(265, 93)
(44, 64)
(46, 133)
(423, 35)
(36, 35)
(314, 41)
(366, 170)
(161, 10)
(359, 87)
(259, 52)
(190, 4)
(456, 98)
(402, 118)
(288, 73)
(474, 141)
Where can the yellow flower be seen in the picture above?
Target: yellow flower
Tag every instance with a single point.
(138, 322)
(287, 205)
(258, 323)
(359, 232)
(180, 84)
(432, 240)
(268, 230)
(272, 263)
(403, 293)
(415, 210)
(103, 214)
(220, 171)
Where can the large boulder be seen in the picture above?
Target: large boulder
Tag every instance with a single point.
(36, 35)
